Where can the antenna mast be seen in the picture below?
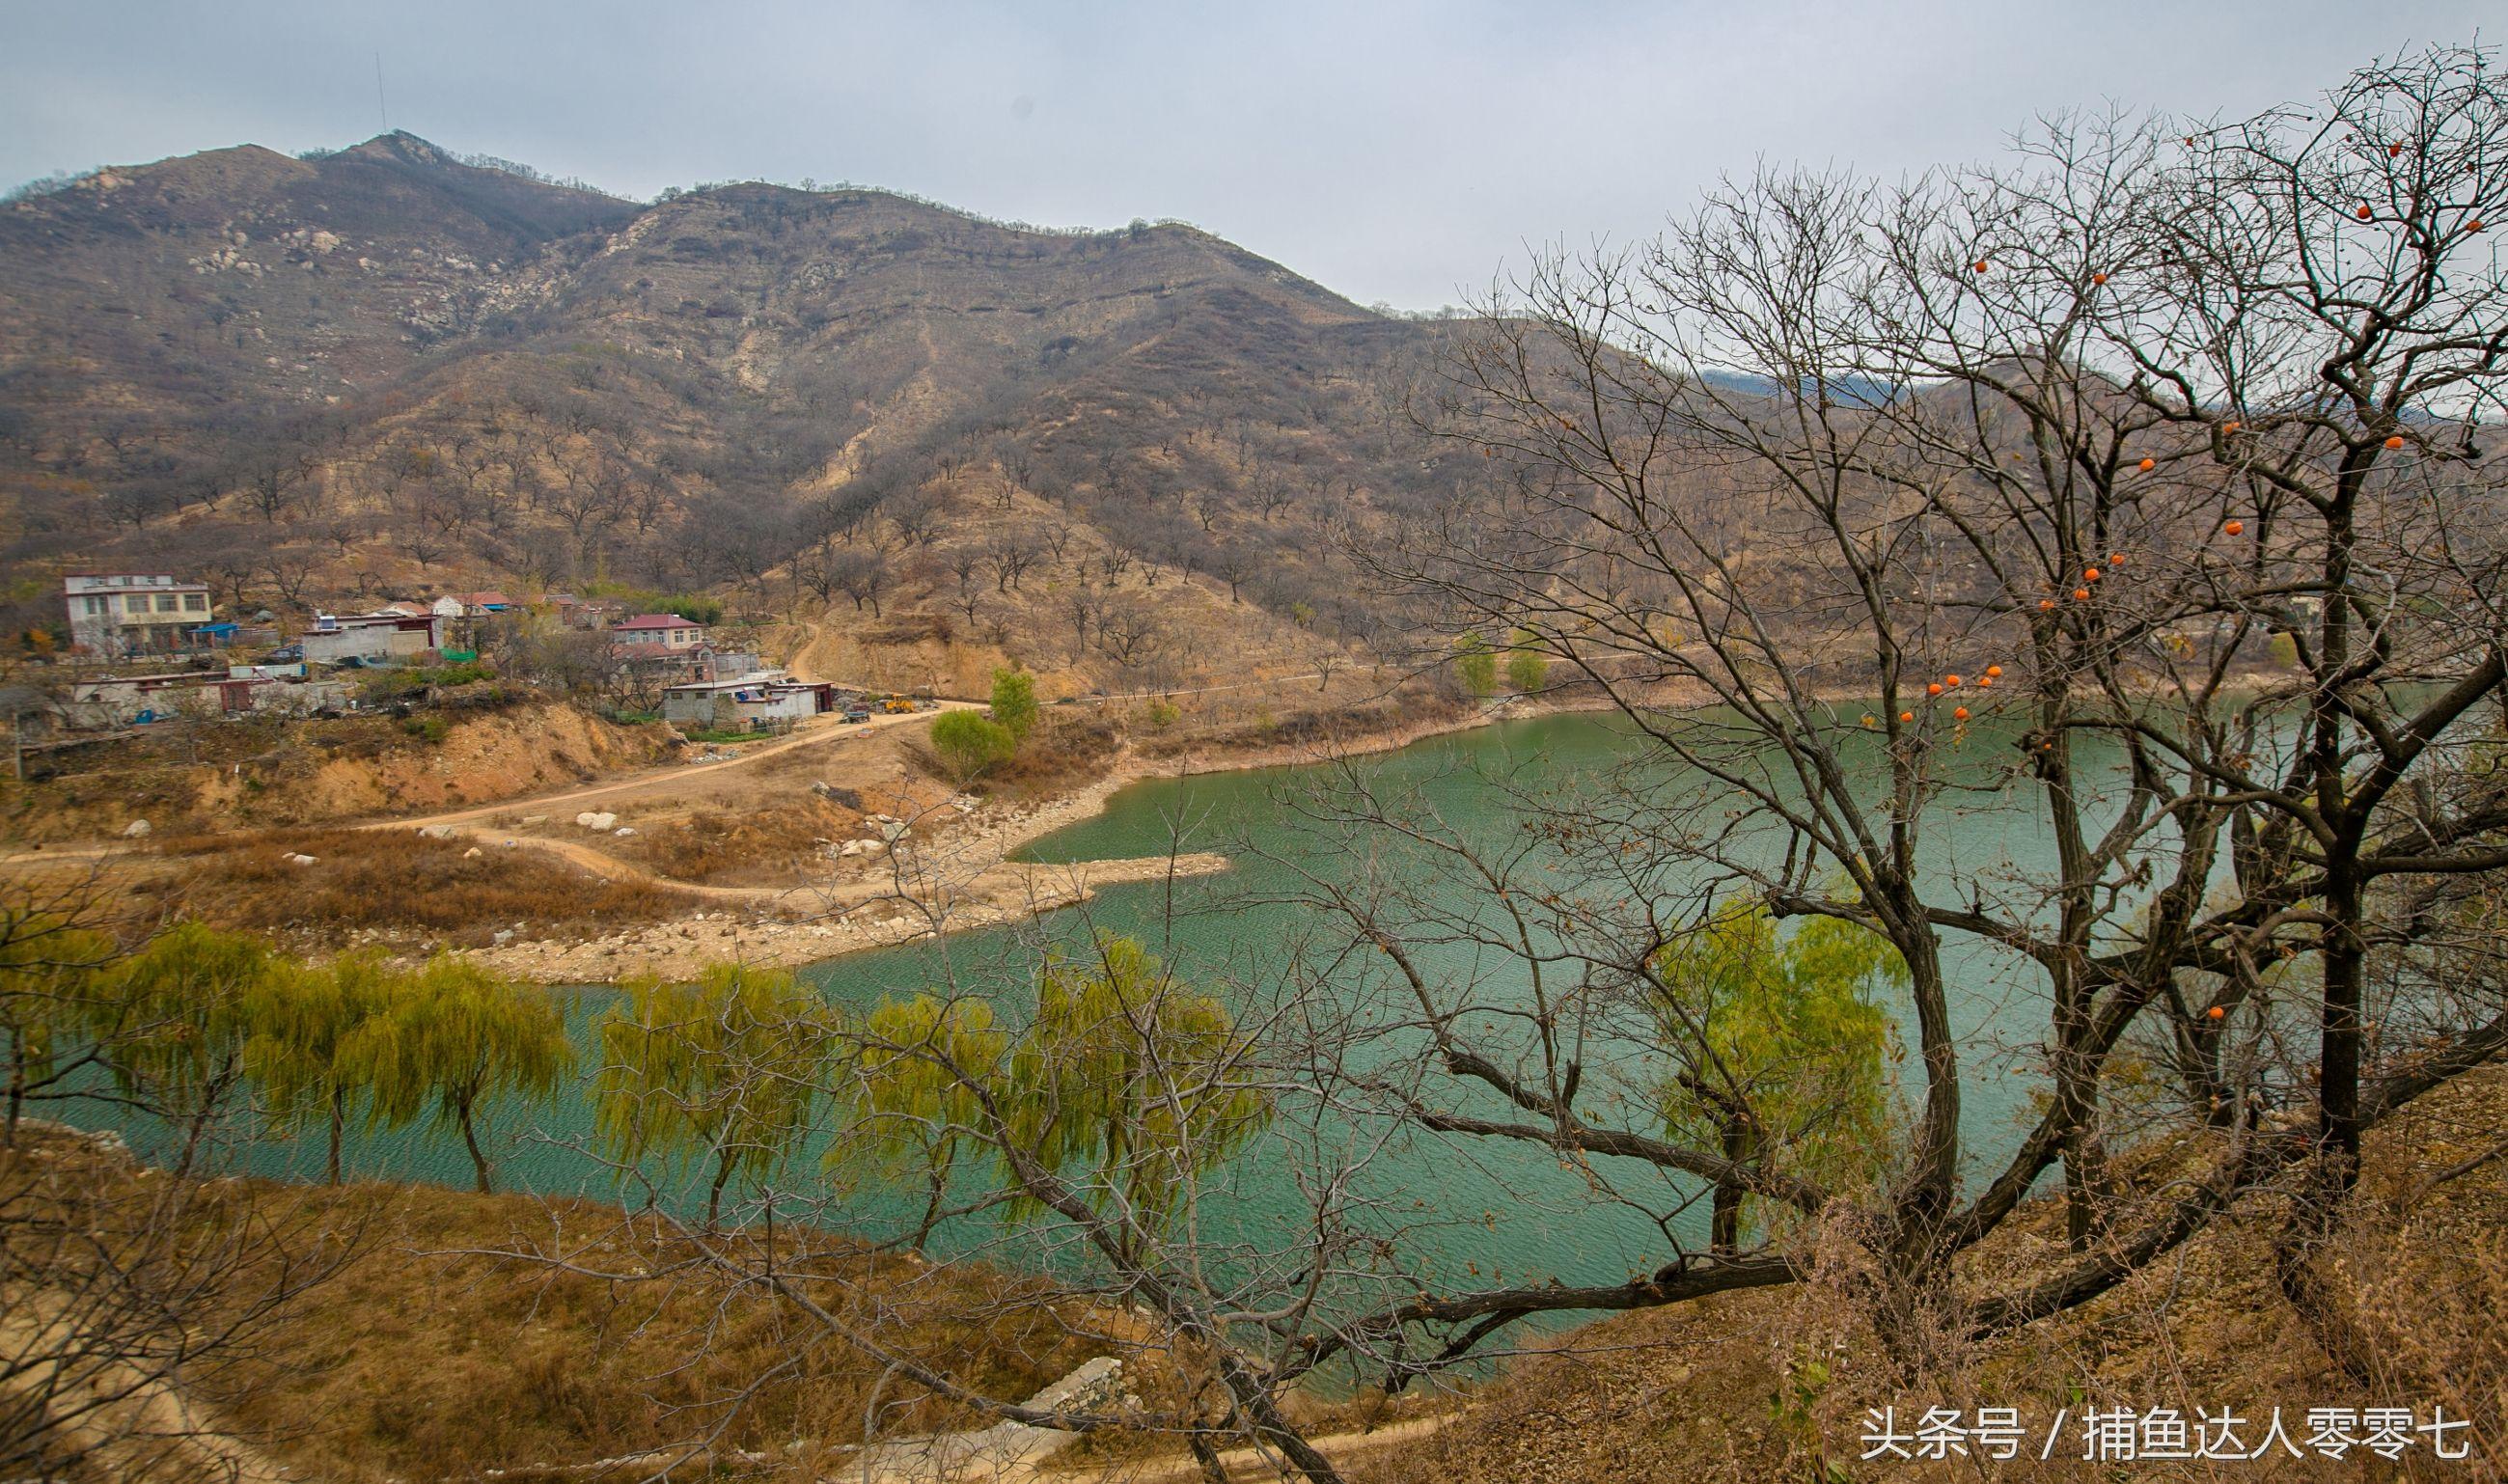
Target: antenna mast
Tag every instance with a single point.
(380, 113)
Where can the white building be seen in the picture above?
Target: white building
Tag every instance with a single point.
(765, 699)
(373, 638)
(647, 635)
(132, 612)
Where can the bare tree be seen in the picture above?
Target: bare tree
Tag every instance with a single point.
(1010, 554)
(2079, 434)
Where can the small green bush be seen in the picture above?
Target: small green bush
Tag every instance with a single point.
(1475, 666)
(968, 744)
(1015, 702)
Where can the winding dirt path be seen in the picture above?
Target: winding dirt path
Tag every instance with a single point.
(823, 731)
(132, 1416)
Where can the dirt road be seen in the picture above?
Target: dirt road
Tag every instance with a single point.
(823, 731)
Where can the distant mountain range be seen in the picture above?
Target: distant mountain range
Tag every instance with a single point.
(432, 369)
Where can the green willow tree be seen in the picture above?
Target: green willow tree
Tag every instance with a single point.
(727, 1068)
(301, 1018)
(1476, 667)
(1130, 1076)
(48, 971)
(968, 744)
(1782, 1053)
(172, 1022)
(455, 1035)
(1124, 1087)
(1527, 667)
(912, 1104)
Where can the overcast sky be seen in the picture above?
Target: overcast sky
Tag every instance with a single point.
(1399, 152)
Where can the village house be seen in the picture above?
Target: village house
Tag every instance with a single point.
(126, 700)
(722, 664)
(472, 604)
(586, 613)
(649, 636)
(385, 638)
(131, 612)
(763, 700)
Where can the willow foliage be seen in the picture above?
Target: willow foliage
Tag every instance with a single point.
(175, 1015)
(1780, 1054)
(49, 968)
(1125, 1083)
(452, 1036)
(301, 1018)
(727, 1068)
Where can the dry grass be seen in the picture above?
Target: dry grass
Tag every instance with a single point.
(770, 846)
(504, 1364)
(1067, 749)
(1774, 1385)
(429, 1357)
(398, 884)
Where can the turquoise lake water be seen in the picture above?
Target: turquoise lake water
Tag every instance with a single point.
(1512, 1209)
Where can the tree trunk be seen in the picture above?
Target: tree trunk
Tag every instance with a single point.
(470, 1140)
(339, 1119)
(1724, 1226)
(714, 1194)
(1213, 1472)
(16, 1091)
(2086, 1187)
(932, 1204)
(2333, 1164)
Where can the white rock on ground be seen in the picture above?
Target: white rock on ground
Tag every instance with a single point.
(1002, 1449)
(136, 829)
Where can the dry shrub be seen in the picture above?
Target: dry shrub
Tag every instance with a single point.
(1320, 727)
(1065, 750)
(398, 882)
(1774, 1385)
(2429, 1304)
(773, 847)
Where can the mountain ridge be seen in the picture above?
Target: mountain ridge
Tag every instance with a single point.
(440, 367)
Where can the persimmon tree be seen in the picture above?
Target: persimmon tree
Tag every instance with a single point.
(1875, 509)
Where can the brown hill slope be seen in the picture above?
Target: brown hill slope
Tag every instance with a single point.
(384, 368)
